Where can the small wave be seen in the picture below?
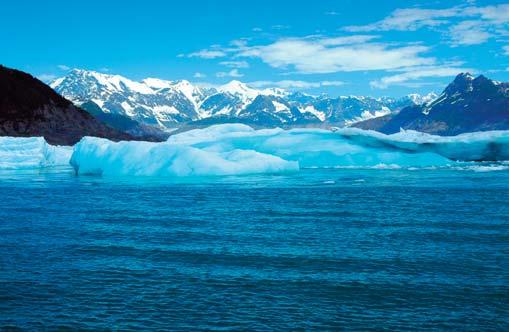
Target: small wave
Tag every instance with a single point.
(483, 168)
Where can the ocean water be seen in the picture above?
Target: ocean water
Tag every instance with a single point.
(329, 249)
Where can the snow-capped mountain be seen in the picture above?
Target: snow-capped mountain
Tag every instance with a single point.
(169, 104)
(468, 104)
(152, 101)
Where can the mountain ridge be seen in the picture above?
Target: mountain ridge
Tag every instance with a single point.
(467, 104)
(169, 104)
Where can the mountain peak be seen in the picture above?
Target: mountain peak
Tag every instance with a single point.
(238, 88)
(234, 85)
(461, 84)
(76, 71)
(466, 83)
(86, 72)
(157, 83)
(112, 83)
(467, 105)
(464, 77)
(481, 79)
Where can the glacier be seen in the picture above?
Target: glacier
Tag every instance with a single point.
(237, 149)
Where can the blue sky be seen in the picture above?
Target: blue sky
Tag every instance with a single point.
(338, 47)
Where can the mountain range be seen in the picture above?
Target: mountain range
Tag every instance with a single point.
(165, 105)
(468, 104)
(117, 108)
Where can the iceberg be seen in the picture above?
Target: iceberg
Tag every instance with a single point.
(31, 152)
(236, 149)
(97, 156)
(477, 146)
(309, 147)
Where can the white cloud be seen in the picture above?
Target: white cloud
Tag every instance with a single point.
(406, 77)
(239, 42)
(294, 84)
(257, 29)
(469, 33)
(216, 51)
(208, 54)
(319, 54)
(409, 19)
(348, 40)
(506, 50)
(63, 67)
(471, 25)
(495, 14)
(232, 73)
(235, 64)
(46, 77)
(199, 75)
(332, 83)
(330, 55)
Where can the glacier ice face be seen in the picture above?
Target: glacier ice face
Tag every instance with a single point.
(31, 152)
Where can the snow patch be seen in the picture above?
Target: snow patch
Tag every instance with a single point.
(280, 107)
(127, 108)
(367, 115)
(314, 111)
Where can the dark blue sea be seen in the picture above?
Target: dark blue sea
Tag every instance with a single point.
(337, 249)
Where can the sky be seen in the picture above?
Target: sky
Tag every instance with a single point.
(359, 47)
